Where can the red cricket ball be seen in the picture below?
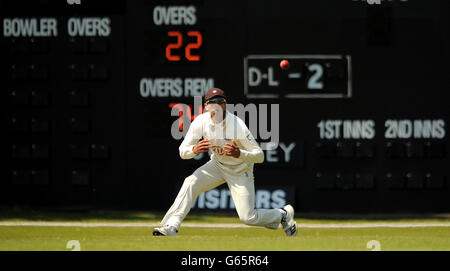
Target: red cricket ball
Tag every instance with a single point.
(284, 64)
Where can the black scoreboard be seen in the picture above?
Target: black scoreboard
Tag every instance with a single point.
(96, 96)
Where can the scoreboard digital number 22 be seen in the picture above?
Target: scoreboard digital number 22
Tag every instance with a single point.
(184, 44)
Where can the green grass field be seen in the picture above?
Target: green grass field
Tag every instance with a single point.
(45, 238)
(214, 239)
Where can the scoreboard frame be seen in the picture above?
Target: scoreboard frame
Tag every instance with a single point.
(300, 95)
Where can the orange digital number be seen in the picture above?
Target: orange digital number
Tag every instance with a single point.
(183, 109)
(176, 45)
(188, 54)
(196, 45)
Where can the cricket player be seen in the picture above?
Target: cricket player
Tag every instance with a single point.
(234, 151)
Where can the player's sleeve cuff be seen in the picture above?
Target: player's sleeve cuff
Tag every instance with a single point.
(187, 153)
(252, 157)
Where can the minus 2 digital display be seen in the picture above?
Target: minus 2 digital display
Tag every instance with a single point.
(309, 76)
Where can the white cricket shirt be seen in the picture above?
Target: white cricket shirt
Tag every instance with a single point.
(231, 128)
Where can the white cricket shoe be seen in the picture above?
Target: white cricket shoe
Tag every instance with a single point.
(165, 231)
(288, 223)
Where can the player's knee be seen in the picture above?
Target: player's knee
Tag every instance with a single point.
(191, 185)
(248, 219)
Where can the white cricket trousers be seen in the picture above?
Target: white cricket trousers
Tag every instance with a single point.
(242, 190)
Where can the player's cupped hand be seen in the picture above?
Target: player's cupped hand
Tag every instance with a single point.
(202, 146)
(232, 149)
